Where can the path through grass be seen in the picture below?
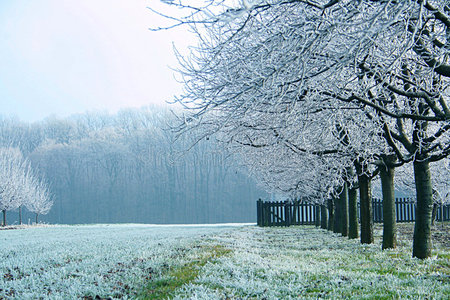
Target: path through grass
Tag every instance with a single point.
(165, 286)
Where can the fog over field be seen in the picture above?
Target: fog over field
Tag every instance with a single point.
(129, 167)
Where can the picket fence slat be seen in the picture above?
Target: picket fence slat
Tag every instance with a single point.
(286, 213)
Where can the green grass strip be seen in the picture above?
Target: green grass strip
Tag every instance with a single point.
(165, 286)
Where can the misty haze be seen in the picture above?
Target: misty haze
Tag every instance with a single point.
(129, 168)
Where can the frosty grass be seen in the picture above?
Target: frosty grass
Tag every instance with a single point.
(71, 262)
(117, 261)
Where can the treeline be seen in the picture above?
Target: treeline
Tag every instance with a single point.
(128, 167)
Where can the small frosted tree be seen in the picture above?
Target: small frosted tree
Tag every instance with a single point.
(20, 186)
(11, 176)
(39, 198)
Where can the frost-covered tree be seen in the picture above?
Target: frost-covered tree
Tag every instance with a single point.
(386, 60)
(12, 173)
(244, 82)
(39, 198)
(19, 186)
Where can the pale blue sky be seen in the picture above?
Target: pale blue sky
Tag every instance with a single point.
(63, 57)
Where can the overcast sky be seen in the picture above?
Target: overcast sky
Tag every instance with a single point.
(63, 57)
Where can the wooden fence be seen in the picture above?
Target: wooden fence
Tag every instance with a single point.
(405, 209)
(286, 213)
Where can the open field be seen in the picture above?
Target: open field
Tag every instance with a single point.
(234, 262)
(72, 262)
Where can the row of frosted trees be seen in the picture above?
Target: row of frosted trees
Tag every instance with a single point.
(126, 167)
(321, 97)
(20, 187)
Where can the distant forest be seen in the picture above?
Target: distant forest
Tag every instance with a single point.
(127, 167)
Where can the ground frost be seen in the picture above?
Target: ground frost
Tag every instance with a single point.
(240, 262)
(309, 263)
(72, 262)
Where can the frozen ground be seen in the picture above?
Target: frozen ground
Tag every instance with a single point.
(309, 263)
(71, 262)
(118, 261)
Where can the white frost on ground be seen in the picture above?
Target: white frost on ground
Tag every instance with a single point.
(309, 263)
(69, 262)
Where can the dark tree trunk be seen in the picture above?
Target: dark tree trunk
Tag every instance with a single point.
(389, 221)
(331, 215)
(20, 215)
(343, 199)
(434, 213)
(337, 228)
(37, 218)
(365, 200)
(4, 217)
(352, 213)
(422, 228)
(317, 215)
(323, 216)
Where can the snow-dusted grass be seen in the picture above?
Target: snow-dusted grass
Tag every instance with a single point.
(200, 262)
(309, 263)
(71, 262)
(166, 286)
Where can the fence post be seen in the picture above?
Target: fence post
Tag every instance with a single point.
(316, 215)
(397, 210)
(294, 212)
(258, 213)
(380, 210)
(287, 213)
(304, 213)
(265, 214)
(412, 210)
(269, 214)
(274, 214)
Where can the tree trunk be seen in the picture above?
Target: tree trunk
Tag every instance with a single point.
(434, 213)
(331, 215)
(37, 218)
(337, 228)
(422, 228)
(20, 215)
(389, 221)
(365, 200)
(4, 217)
(323, 216)
(343, 199)
(317, 215)
(352, 213)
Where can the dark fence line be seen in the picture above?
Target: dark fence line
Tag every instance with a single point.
(286, 213)
(405, 209)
